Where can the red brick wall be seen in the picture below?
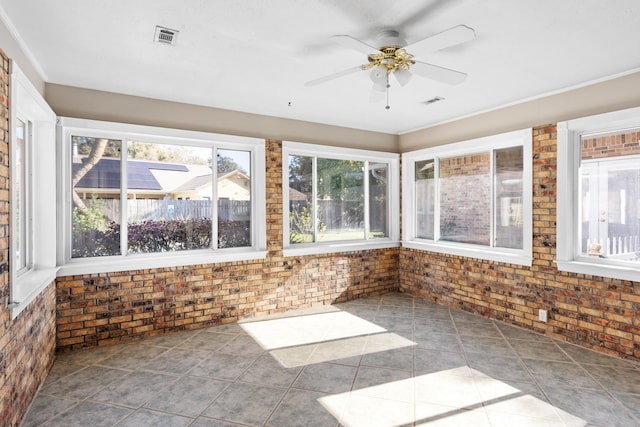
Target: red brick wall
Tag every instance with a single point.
(27, 343)
(99, 309)
(611, 145)
(595, 312)
(465, 207)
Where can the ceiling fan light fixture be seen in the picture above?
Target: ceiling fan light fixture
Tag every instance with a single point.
(402, 76)
(379, 75)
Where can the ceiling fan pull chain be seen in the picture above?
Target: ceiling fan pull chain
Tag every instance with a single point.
(387, 106)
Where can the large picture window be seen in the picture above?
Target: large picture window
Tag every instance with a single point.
(338, 196)
(138, 191)
(471, 198)
(599, 162)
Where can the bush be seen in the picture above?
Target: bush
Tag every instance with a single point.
(157, 236)
(93, 234)
(169, 235)
(234, 234)
(301, 223)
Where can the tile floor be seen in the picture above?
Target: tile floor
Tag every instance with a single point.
(387, 361)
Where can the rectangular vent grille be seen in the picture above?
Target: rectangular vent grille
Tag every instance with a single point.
(165, 35)
(433, 100)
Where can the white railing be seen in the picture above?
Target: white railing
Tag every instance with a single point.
(618, 247)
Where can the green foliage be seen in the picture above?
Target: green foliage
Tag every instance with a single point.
(86, 143)
(92, 233)
(301, 224)
(227, 164)
(152, 236)
(87, 219)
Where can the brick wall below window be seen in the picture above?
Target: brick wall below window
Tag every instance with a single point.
(99, 309)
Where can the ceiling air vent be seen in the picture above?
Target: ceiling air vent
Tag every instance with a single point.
(433, 100)
(165, 35)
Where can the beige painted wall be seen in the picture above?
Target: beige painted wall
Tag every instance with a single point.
(13, 50)
(615, 94)
(96, 105)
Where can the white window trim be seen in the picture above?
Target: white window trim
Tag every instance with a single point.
(510, 139)
(568, 256)
(340, 153)
(126, 132)
(28, 104)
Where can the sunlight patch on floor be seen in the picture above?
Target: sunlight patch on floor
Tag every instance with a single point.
(298, 340)
(445, 398)
(341, 349)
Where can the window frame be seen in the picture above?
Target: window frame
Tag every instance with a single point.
(290, 148)
(568, 248)
(28, 105)
(491, 143)
(69, 127)
(23, 229)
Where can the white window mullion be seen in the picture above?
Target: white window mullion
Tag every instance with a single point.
(214, 199)
(124, 196)
(314, 196)
(436, 199)
(29, 199)
(494, 201)
(366, 199)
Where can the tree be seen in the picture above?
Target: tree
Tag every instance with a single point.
(164, 153)
(226, 164)
(96, 151)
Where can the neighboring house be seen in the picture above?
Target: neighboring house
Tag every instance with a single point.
(297, 196)
(158, 180)
(233, 185)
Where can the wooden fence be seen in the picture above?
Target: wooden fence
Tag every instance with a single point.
(145, 209)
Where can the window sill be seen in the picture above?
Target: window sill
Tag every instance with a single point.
(332, 247)
(595, 269)
(471, 252)
(147, 261)
(28, 286)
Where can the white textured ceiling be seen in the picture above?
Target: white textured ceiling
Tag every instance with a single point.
(255, 56)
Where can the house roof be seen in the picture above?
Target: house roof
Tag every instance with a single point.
(194, 184)
(203, 180)
(106, 174)
(296, 195)
(140, 176)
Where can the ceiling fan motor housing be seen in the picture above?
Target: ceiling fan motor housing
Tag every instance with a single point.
(390, 38)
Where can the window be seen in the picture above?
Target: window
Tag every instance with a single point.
(32, 178)
(21, 191)
(158, 195)
(599, 164)
(336, 197)
(471, 198)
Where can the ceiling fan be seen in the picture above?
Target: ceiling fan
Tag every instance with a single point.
(395, 56)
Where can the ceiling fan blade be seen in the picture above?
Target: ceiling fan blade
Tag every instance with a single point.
(355, 44)
(333, 76)
(447, 38)
(441, 74)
